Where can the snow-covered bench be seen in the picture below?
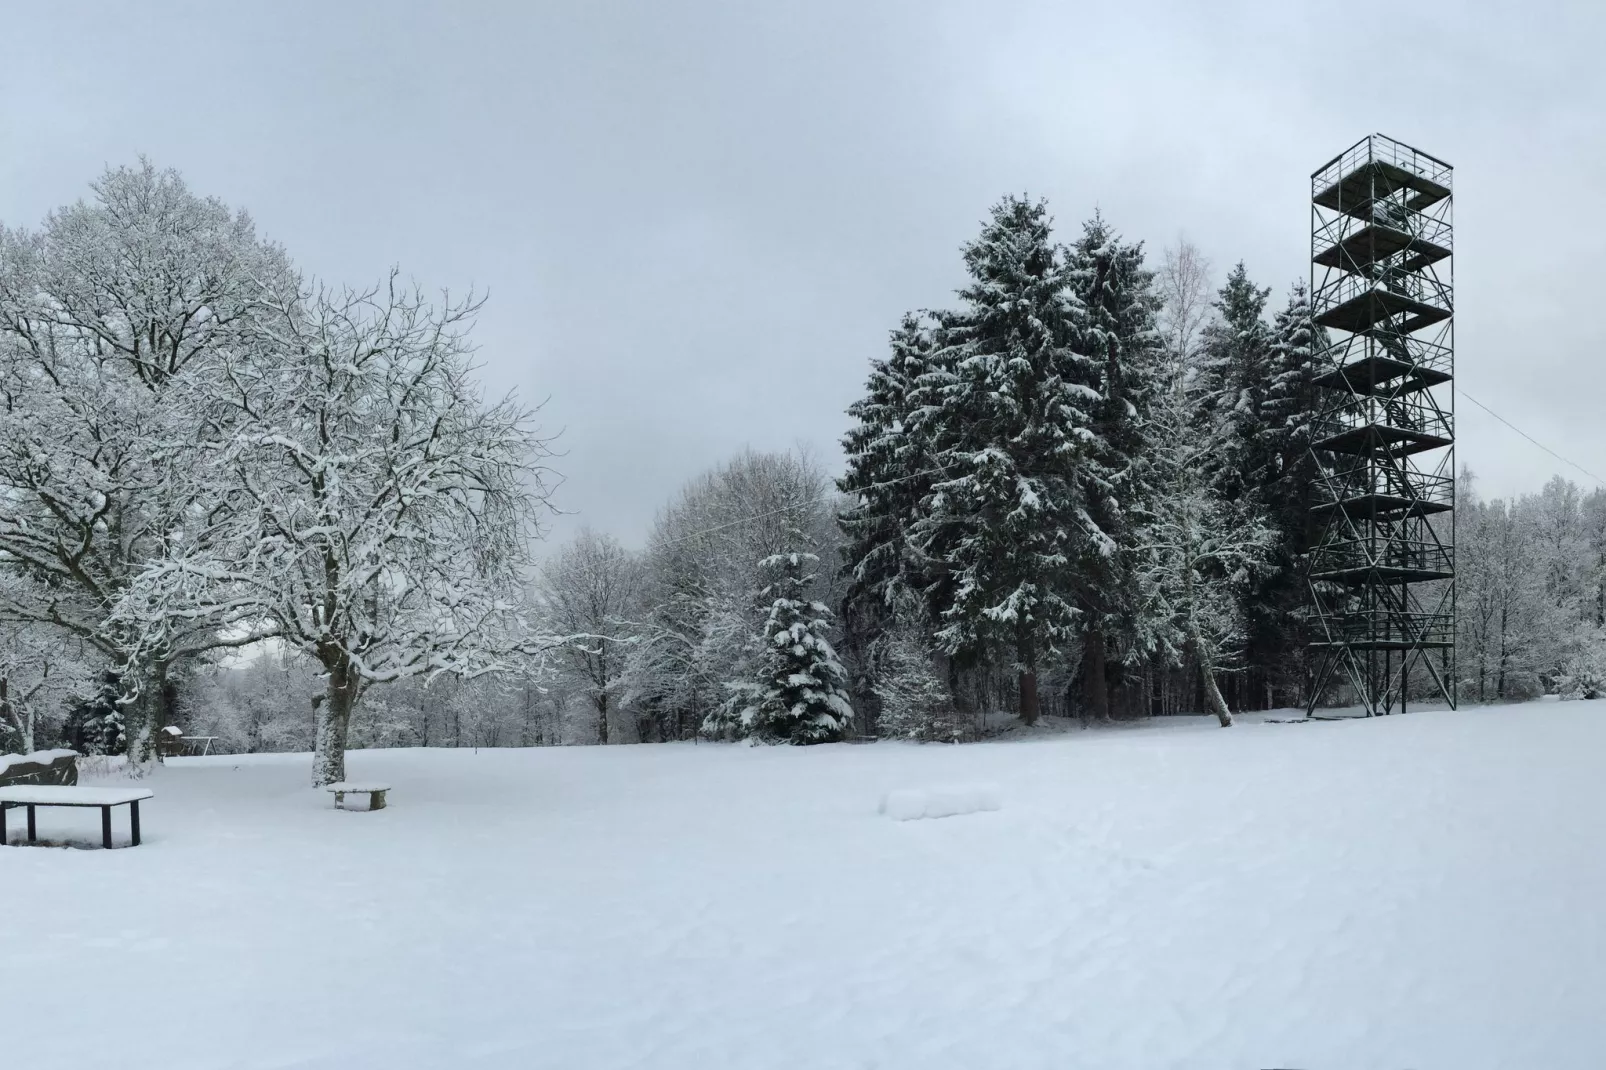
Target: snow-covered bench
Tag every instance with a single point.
(375, 793)
(35, 795)
(41, 767)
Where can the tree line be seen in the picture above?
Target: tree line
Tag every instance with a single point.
(1531, 593)
(1080, 490)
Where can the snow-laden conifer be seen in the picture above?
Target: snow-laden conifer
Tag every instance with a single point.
(1118, 334)
(1007, 414)
(797, 690)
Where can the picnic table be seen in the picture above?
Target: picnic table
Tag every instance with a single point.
(36, 795)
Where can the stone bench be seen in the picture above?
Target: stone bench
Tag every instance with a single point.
(375, 793)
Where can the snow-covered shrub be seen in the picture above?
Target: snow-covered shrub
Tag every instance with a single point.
(1523, 687)
(1580, 684)
(915, 703)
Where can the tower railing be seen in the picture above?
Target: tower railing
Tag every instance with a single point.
(1416, 288)
(1377, 148)
(1422, 229)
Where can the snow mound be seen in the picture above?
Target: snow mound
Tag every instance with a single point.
(911, 804)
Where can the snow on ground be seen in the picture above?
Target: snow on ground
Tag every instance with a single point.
(1420, 891)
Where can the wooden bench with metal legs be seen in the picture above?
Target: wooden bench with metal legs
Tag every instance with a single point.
(33, 796)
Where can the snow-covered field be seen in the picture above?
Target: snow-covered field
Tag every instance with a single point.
(1420, 891)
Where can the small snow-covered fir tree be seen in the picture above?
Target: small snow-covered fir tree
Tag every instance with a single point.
(798, 693)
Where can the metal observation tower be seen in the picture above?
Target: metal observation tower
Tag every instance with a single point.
(1382, 566)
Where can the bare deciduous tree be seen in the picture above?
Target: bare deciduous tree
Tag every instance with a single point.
(1183, 283)
(109, 315)
(591, 588)
(378, 511)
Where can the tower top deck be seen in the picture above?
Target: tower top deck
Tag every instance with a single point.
(1377, 166)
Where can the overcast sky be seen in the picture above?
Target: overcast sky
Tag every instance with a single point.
(697, 221)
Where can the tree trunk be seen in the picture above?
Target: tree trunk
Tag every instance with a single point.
(143, 715)
(1028, 696)
(1095, 684)
(602, 718)
(1026, 680)
(1207, 671)
(334, 722)
(956, 685)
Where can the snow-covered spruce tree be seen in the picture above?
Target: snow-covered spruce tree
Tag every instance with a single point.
(889, 472)
(1233, 407)
(1277, 600)
(1196, 552)
(1120, 337)
(1231, 384)
(798, 690)
(379, 511)
(110, 315)
(1292, 401)
(1006, 413)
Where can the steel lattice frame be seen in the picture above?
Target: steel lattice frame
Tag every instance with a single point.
(1382, 568)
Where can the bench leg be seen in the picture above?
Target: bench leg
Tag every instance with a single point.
(376, 801)
(4, 840)
(106, 827)
(133, 820)
(340, 800)
(33, 829)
